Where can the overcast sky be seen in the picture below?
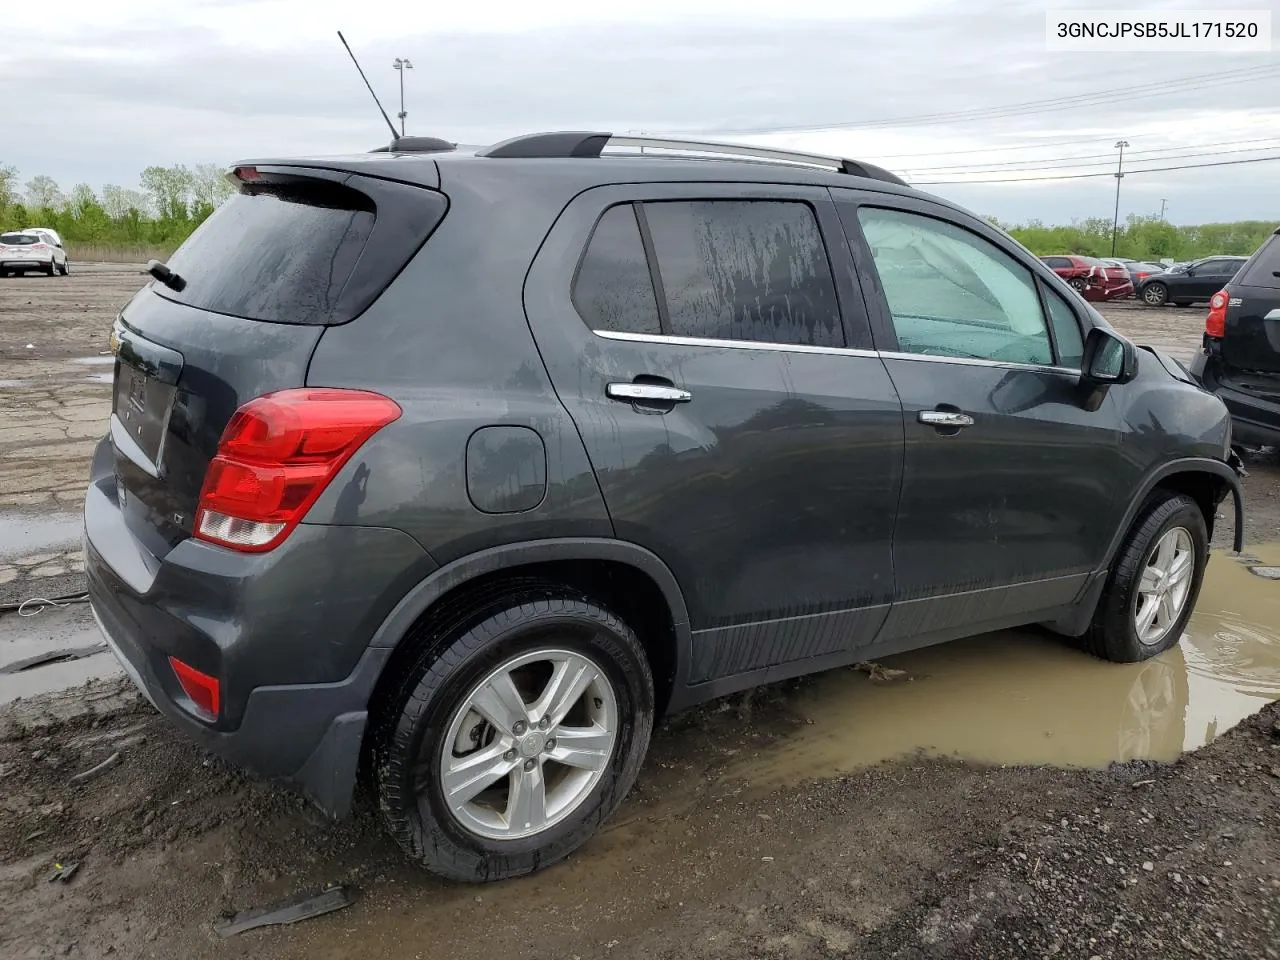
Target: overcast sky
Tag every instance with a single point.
(100, 90)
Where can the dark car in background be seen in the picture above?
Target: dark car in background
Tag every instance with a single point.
(1092, 278)
(463, 469)
(1239, 359)
(1194, 283)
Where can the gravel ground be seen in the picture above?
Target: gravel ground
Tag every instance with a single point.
(768, 825)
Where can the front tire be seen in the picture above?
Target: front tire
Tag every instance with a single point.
(1154, 582)
(513, 740)
(1077, 284)
(1155, 294)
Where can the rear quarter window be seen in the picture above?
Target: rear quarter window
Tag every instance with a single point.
(1263, 268)
(302, 252)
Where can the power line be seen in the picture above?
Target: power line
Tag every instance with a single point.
(1000, 149)
(1052, 104)
(970, 167)
(1085, 176)
(1054, 165)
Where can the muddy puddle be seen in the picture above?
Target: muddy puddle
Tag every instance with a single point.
(55, 649)
(1022, 697)
(22, 534)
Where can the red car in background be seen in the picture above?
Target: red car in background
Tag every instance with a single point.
(1093, 279)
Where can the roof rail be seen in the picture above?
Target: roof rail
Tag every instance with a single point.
(416, 145)
(593, 144)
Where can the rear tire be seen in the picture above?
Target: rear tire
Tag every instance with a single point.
(52, 269)
(1154, 582)
(446, 704)
(1155, 294)
(65, 268)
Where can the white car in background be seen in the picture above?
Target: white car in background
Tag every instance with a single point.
(22, 251)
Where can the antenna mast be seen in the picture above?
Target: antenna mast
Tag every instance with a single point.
(390, 126)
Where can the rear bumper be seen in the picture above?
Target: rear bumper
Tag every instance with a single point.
(1254, 419)
(287, 715)
(25, 264)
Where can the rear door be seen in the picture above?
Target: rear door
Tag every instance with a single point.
(697, 335)
(1211, 276)
(291, 252)
(1008, 494)
(1252, 337)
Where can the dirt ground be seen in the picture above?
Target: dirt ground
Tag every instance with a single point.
(1007, 797)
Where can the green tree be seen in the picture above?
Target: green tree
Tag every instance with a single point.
(43, 193)
(170, 191)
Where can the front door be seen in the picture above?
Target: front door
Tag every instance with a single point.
(1008, 497)
(712, 346)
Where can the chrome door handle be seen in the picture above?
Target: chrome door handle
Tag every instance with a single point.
(652, 392)
(945, 418)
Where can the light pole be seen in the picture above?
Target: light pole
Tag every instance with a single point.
(1163, 203)
(1115, 221)
(401, 65)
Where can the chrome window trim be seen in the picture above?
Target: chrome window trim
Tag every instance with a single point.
(734, 344)
(833, 351)
(978, 362)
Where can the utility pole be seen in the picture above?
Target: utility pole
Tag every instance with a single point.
(1115, 222)
(401, 65)
(1163, 204)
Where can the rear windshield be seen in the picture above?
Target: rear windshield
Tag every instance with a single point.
(18, 239)
(1263, 268)
(306, 251)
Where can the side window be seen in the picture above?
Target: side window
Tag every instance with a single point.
(745, 270)
(952, 293)
(1056, 263)
(613, 290)
(1066, 330)
(1264, 268)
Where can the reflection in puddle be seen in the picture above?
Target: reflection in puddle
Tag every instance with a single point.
(95, 361)
(100, 378)
(1021, 697)
(14, 383)
(26, 533)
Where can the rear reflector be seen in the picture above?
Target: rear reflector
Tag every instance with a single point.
(200, 687)
(276, 456)
(1215, 324)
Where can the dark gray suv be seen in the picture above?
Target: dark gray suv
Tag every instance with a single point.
(462, 470)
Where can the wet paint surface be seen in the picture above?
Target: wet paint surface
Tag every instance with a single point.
(28, 533)
(1027, 697)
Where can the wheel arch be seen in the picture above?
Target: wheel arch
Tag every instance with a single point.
(625, 577)
(1207, 481)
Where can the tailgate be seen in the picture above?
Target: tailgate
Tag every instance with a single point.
(180, 374)
(1252, 338)
(249, 296)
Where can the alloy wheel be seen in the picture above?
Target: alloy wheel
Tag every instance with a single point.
(528, 744)
(1164, 585)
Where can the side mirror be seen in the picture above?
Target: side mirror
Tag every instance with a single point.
(1108, 358)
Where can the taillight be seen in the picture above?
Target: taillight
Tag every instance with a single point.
(1215, 324)
(275, 458)
(204, 690)
(39, 246)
